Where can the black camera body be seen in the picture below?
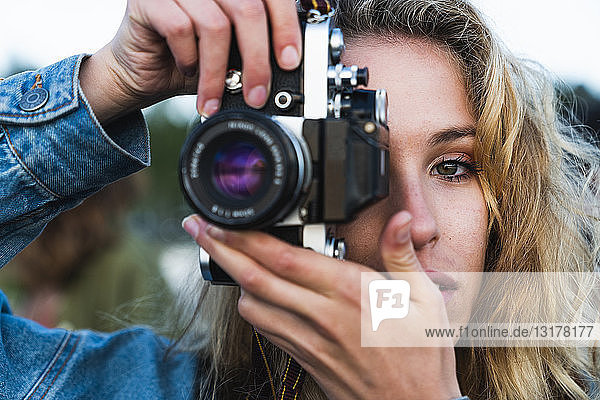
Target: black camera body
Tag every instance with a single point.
(315, 155)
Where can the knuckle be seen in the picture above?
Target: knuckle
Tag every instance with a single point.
(327, 327)
(260, 68)
(257, 76)
(251, 280)
(252, 240)
(351, 295)
(209, 78)
(216, 24)
(179, 27)
(188, 60)
(286, 33)
(310, 348)
(404, 259)
(211, 81)
(287, 261)
(250, 9)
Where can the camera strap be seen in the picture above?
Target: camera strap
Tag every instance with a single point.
(264, 386)
(322, 6)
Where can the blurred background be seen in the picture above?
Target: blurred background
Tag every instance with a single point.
(125, 262)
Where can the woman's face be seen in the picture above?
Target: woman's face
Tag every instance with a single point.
(432, 171)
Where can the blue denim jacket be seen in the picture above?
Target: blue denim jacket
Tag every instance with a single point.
(52, 158)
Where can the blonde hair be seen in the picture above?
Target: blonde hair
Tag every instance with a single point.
(538, 176)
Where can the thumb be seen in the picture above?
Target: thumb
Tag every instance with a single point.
(397, 251)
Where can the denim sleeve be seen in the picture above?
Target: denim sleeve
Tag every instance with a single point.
(55, 156)
(39, 363)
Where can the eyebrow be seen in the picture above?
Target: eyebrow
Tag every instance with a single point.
(450, 135)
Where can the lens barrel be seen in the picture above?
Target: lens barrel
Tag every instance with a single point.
(242, 170)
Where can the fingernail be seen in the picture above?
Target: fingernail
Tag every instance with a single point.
(290, 57)
(403, 231)
(210, 107)
(257, 96)
(215, 233)
(193, 225)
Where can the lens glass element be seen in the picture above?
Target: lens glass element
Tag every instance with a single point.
(239, 170)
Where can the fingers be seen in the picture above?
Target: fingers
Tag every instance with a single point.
(249, 18)
(272, 321)
(273, 305)
(399, 257)
(249, 274)
(174, 24)
(250, 21)
(198, 34)
(396, 246)
(287, 38)
(214, 35)
(303, 267)
(290, 333)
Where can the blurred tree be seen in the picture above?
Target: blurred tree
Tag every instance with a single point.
(580, 107)
(158, 215)
(86, 270)
(588, 108)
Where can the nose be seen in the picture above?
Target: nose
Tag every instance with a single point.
(412, 196)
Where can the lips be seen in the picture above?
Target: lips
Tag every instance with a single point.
(445, 283)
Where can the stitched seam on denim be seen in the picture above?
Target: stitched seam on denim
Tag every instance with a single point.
(61, 367)
(49, 368)
(53, 109)
(20, 159)
(106, 137)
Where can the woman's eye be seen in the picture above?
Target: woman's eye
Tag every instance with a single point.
(449, 168)
(455, 170)
(454, 167)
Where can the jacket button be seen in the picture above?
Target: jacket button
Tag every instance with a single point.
(35, 99)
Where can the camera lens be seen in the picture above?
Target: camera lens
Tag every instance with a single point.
(241, 169)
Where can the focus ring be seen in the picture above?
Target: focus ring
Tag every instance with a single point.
(206, 171)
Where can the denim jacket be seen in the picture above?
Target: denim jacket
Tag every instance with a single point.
(53, 154)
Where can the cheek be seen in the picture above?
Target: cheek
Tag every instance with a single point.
(362, 234)
(460, 215)
(463, 227)
(463, 245)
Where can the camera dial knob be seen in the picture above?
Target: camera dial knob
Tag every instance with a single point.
(336, 45)
(285, 100)
(340, 76)
(381, 106)
(233, 81)
(335, 248)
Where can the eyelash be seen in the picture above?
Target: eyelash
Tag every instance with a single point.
(472, 168)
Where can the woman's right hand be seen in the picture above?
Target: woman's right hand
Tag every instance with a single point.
(316, 309)
(169, 47)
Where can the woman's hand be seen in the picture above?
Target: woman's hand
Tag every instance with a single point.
(169, 47)
(310, 306)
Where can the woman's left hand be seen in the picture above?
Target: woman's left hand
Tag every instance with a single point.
(310, 306)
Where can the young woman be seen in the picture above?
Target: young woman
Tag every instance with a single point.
(484, 174)
(484, 177)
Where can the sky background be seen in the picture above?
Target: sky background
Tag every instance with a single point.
(562, 35)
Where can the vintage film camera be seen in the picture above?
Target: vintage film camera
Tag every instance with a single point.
(315, 155)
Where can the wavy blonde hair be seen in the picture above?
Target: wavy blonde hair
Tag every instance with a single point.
(538, 176)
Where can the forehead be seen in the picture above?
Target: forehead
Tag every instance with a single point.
(425, 87)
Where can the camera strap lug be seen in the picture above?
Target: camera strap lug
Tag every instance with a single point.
(317, 11)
